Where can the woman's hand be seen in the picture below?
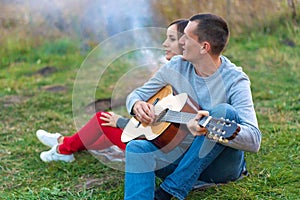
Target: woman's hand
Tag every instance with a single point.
(193, 124)
(110, 118)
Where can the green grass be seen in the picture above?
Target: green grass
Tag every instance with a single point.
(271, 63)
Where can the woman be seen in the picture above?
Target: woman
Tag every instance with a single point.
(90, 136)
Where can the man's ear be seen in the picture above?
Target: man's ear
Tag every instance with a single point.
(205, 48)
(202, 50)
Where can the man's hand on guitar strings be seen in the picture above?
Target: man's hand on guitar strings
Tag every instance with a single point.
(193, 124)
(144, 112)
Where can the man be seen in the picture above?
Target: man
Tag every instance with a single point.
(222, 90)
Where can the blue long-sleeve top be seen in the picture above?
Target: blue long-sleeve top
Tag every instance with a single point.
(229, 84)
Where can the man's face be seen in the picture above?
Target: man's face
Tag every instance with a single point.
(191, 46)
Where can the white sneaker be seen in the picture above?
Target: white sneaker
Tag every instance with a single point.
(48, 139)
(52, 155)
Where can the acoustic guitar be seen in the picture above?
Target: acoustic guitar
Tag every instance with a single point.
(172, 113)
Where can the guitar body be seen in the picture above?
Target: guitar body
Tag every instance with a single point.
(164, 135)
(175, 133)
(172, 113)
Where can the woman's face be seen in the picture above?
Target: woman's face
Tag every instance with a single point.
(171, 44)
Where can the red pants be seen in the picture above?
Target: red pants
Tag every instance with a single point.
(92, 136)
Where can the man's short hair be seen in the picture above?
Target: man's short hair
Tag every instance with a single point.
(213, 29)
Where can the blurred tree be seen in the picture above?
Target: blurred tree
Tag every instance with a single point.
(292, 5)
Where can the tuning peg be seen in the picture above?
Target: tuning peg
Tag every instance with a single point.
(215, 137)
(223, 140)
(210, 135)
(220, 139)
(223, 132)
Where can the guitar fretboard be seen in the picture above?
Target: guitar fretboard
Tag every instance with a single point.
(179, 117)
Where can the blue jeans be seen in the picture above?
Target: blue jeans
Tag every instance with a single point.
(204, 160)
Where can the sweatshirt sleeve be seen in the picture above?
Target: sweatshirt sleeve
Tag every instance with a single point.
(122, 122)
(249, 137)
(168, 74)
(146, 91)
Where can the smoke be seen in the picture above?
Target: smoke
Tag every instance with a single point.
(112, 17)
(88, 19)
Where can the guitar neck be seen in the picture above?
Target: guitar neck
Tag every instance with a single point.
(182, 118)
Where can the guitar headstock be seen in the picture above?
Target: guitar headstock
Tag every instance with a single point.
(219, 129)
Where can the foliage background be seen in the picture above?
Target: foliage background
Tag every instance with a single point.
(42, 47)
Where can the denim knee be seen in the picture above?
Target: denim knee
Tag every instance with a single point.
(226, 111)
(139, 146)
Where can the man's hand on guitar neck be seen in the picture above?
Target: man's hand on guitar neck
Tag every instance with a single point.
(193, 124)
(144, 112)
